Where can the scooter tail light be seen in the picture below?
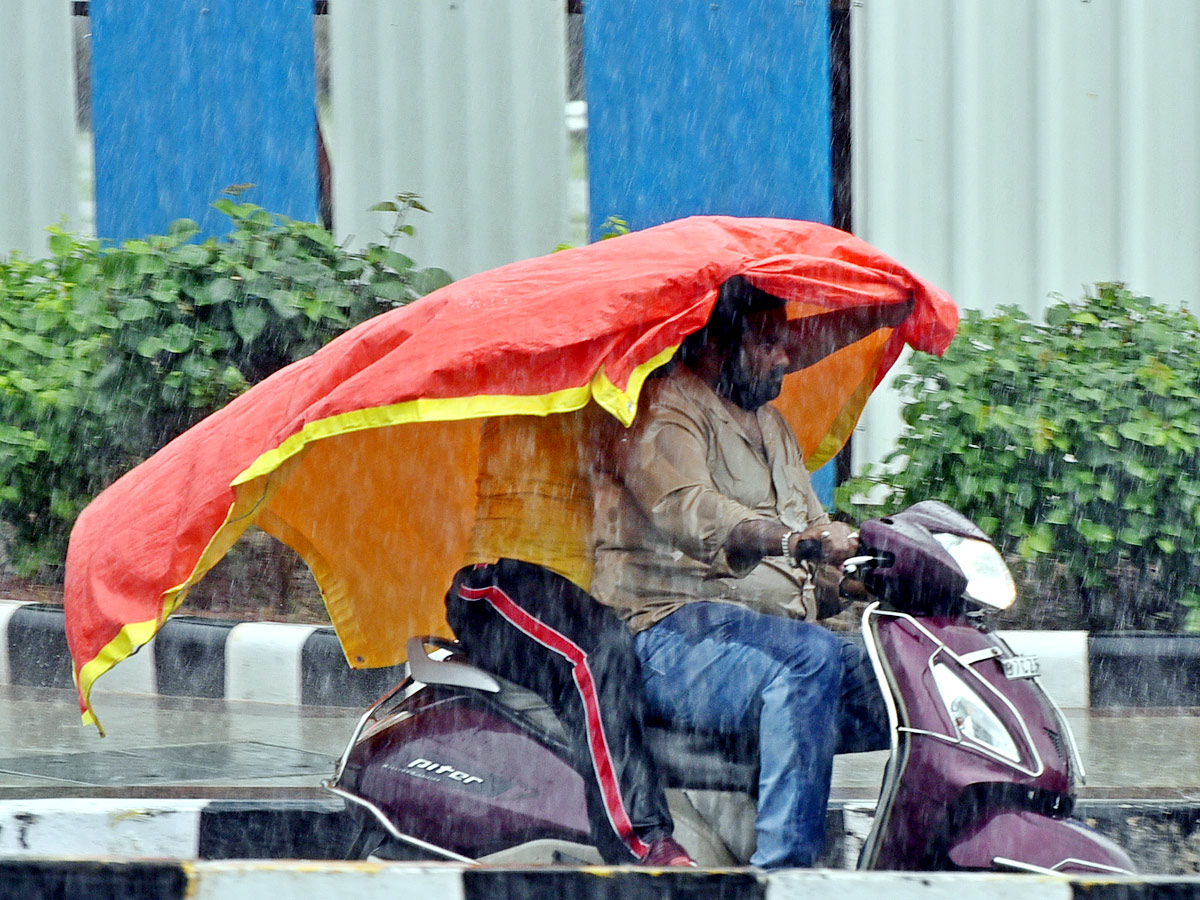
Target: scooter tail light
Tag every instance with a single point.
(972, 717)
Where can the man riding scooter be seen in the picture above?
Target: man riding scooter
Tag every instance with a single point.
(702, 522)
(521, 610)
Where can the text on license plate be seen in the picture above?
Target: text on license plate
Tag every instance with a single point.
(1021, 666)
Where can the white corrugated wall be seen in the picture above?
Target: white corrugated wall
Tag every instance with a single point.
(38, 168)
(1010, 150)
(461, 101)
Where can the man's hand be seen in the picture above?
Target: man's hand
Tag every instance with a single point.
(753, 539)
(838, 540)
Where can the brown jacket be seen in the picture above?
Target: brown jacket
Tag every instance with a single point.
(680, 481)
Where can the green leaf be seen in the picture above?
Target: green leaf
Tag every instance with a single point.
(219, 290)
(341, 297)
(232, 379)
(248, 322)
(198, 366)
(1060, 515)
(394, 289)
(150, 346)
(192, 255)
(1140, 470)
(151, 263)
(178, 338)
(1132, 431)
(135, 310)
(183, 228)
(61, 244)
(322, 238)
(1134, 537)
(394, 260)
(1093, 532)
(426, 281)
(284, 304)
(1041, 540)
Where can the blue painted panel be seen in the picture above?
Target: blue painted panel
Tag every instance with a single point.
(709, 108)
(824, 480)
(190, 96)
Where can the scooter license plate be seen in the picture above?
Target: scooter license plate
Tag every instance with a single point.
(1021, 667)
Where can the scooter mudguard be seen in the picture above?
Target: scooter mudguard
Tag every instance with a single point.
(1029, 841)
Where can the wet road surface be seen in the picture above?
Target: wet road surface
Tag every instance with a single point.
(209, 747)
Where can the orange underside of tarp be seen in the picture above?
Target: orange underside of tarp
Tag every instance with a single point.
(363, 457)
(392, 505)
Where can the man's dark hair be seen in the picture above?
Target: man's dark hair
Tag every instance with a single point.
(738, 299)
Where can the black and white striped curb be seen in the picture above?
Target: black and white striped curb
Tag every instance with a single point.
(176, 828)
(101, 879)
(197, 657)
(304, 664)
(1160, 835)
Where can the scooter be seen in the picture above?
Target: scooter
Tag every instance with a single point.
(455, 763)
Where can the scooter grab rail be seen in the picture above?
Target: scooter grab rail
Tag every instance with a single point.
(422, 669)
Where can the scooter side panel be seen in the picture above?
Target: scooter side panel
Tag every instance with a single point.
(465, 779)
(1022, 837)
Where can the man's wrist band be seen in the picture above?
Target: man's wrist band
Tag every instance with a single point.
(785, 547)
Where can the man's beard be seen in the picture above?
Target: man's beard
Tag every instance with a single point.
(747, 391)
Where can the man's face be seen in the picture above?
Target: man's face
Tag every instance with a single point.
(754, 370)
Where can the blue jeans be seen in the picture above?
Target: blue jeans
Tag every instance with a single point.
(807, 692)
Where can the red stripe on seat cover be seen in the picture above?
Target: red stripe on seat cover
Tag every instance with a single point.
(597, 741)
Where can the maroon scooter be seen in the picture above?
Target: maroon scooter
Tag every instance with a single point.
(983, 767)
(458, 764)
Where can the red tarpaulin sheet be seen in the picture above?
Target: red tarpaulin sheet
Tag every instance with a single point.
(363, 456)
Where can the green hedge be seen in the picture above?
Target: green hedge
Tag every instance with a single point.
(1075, 443)
(107, 352)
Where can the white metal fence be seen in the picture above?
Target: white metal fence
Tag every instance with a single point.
(1009, 150)
(462, 102)
(38, 169)
(1005, 149)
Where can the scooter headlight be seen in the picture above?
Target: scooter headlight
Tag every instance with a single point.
(988, 579)
(974, 720)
